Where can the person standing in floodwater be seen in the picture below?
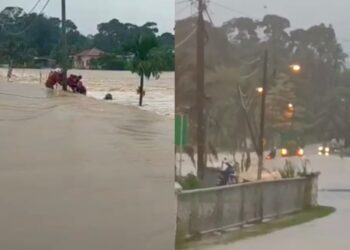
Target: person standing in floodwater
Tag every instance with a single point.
(9, 73)
(55, 77)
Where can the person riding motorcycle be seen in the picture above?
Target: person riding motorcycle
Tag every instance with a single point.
(228, 175)
(272, 154)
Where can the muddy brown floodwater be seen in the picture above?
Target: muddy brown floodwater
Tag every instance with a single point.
(79, 174)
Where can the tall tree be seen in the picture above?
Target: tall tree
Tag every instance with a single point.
(146, 62)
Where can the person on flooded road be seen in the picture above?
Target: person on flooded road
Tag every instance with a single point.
(73, 82)
(9, 73)
(55, 77)
(76, 85)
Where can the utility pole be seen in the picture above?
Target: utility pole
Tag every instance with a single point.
(201, 126)
(262, 118)
(64, 46)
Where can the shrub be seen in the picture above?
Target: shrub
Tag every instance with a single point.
(288, 171)
(304, 171)
(190, 182)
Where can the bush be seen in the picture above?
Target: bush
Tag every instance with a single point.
(288, 171)
(304, 169)
(190, 182)
(109, 62)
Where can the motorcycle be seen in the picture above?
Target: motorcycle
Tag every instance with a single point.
(228, 176)
(272, 154)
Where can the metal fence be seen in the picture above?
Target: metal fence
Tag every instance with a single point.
(205, 210)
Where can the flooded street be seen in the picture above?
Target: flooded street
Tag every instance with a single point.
(80, 174)
(322, 234)
(122, 85)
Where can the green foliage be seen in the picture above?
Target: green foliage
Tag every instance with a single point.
(24, 36)
(110, 62)
(304, 171)
(233, 57)
(288, 171)
(190, 182)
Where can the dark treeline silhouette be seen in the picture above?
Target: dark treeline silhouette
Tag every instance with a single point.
(26, 36)
(319, 93)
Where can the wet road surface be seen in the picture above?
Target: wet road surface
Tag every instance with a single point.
(330, 233)
(80, 174)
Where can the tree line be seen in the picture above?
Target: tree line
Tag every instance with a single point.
(25, 38)
(319, 93)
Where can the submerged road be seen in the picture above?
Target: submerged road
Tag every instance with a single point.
(328, 233)
(79, 174)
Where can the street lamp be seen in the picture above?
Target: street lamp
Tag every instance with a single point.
(296, 68)
(260, 90)
(291, 106)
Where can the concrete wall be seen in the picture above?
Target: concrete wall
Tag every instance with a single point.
(205, 210)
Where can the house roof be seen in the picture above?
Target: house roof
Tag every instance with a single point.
(91, 52)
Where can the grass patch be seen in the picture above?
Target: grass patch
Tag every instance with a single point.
(257, 230)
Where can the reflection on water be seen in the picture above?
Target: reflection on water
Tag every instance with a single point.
(121, 84)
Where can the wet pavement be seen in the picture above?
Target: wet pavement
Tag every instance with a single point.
(322, 234)
(80, 174)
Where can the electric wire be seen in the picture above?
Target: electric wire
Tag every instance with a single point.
(29, 26)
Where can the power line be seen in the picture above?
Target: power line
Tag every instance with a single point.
(27, 28)
(34, 7)
(186, 38)
(208, 15)
(230, 9)
(178, 12)
(30, 12)
(246, 14)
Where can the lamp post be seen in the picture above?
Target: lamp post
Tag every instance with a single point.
(295, 68)
(262, 117)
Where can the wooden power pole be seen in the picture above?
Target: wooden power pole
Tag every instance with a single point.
(64, 45)
(201, 121)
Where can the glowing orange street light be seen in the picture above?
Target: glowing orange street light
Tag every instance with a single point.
(260, 90)
(295, 68)
(291, 106)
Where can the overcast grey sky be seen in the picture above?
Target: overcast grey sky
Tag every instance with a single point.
(301, 13)
(88, 13)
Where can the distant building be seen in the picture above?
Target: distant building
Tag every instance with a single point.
(83, 59)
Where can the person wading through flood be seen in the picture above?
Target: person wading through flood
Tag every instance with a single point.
(9, 73)
(73, 82)
(55, 77)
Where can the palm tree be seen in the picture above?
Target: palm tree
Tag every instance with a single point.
(147, 61)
